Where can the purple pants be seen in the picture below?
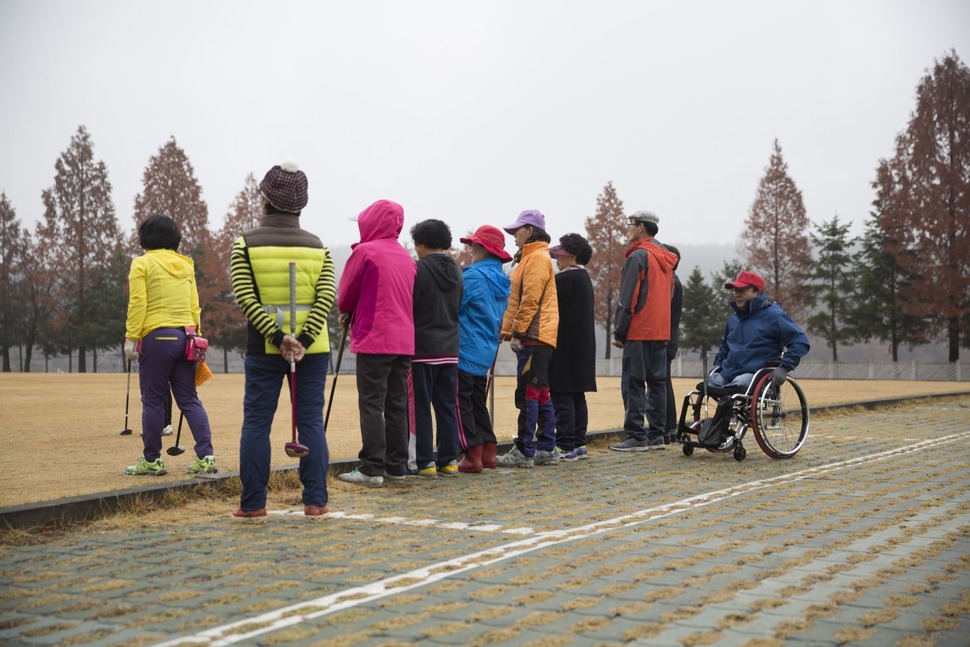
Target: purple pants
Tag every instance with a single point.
(161, 366)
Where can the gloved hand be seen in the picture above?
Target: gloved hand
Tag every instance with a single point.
(131, 350)
(778, 376)
(516, 345)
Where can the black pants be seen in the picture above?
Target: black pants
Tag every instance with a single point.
(475, 424)
(382, 399)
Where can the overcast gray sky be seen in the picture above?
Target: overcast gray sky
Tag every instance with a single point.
(473, 111)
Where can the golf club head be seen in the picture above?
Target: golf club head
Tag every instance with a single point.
(296, 450)
(125, 432)
(175, 451)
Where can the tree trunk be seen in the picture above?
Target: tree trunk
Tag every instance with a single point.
(6, 359)
(82, 364)
(225, 360)
(954, 326)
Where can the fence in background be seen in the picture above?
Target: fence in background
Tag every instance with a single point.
(808, 369)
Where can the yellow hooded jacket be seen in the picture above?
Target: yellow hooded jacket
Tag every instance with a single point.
(533, 310)
(162, 293)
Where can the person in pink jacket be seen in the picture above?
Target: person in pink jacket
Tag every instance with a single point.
(375, 299)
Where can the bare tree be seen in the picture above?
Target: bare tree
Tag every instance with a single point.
(79, 231)
(225, 322)
(775, 241)
(924, 192)
(606, 231)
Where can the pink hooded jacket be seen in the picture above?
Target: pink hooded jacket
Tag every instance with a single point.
(377, 284)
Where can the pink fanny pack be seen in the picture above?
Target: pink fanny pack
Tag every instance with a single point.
(195, 347)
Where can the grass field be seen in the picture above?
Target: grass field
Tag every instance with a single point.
(60, 432)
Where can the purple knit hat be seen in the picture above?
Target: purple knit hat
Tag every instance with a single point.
(285, 186)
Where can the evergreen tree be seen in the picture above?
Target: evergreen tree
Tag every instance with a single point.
(12, 280)
(775, 242)
(875, 310)
(702, 322)
(832, 281)
(79, 231)
(924, 195)
(607, 233)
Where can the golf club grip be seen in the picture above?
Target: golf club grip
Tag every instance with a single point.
(292, 297)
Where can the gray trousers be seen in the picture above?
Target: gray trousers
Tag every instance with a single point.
(644, 389)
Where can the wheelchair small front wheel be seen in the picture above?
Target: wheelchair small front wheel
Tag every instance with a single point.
(739, 453)
(779, 417)
(687, 449)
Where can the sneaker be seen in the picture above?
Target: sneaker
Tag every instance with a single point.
(560, 452)
(544, 457)
(143, 468)
(391, 479)
(727, 444)
(167, 430)
(314, 510)
(657, 444)
(428, 472)
(451, 469)
(578, 454)
(631, 444)
(249, 514)
(515, 458)
(204, 465)
(359, 478)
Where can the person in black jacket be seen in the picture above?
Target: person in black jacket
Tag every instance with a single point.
(572, 370)
(676, 308)
(434, 366)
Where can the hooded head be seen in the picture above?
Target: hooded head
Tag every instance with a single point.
(383, 219)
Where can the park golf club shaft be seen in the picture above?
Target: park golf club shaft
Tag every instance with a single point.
(127, 430)
(336, 372)
(177, 450)
(293, 448)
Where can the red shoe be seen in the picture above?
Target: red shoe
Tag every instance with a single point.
(249, 514)
(471, 462)
(489, 460)
(315, 510)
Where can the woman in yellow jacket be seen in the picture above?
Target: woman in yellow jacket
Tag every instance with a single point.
(531, 323)
(163, 301)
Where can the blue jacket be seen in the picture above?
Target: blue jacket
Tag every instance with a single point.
(757, 336)
(485, 297)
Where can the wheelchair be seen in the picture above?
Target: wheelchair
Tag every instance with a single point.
(778, 418)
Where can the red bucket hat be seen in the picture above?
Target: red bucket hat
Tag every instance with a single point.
(492, 239)
(745, 280)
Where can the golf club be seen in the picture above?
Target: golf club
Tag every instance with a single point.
(177, 449)
(293, 448)
(127, 430)
(336, 372)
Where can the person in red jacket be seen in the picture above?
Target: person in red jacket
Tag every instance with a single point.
(642, 329)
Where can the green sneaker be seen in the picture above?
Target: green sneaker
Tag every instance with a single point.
(204, 465)
(143, 467)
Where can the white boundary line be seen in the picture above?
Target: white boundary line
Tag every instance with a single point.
(352, 597)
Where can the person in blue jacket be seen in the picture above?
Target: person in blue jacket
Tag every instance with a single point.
(485, 297)
(757, 334)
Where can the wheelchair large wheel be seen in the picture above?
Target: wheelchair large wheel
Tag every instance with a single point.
(779, 421)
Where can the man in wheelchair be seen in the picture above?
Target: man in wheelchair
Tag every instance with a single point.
(758, 334)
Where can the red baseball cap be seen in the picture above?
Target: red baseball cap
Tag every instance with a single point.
(745, 280)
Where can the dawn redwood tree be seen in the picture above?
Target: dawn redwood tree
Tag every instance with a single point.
(875, 310)
(79, 231)
(171, 188)
(225, 322)
(832, 280)
(12, 280)
(703, 314)
(775, 242)
(606, 231)
(924, 192)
